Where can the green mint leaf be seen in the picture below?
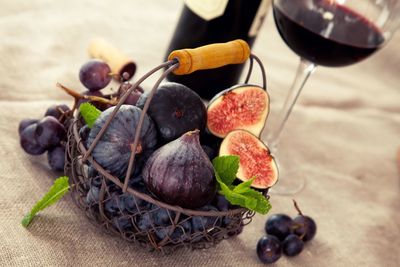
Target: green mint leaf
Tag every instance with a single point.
(56, 191)
(243, 196)
(226, 167)
(263, 206)
(251, 203)
(89, 113)
(232, 197)
(243, 187)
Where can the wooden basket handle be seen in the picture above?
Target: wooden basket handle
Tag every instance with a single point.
(210, 56)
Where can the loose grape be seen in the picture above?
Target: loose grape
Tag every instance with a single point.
(279, 225)
(269, 249)
(25, 123)
(133, 97)
(292, 245)
(50, 132)
(56, 158)
(29, 141)
(304, 227)
(57, 110)
(95, 75)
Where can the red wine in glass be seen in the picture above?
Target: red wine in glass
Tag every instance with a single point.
(328, 35)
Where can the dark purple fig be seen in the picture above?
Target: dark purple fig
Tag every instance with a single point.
(180, 173)
(176, 109)
(114, 148)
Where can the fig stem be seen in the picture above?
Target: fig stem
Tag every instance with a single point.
(296, 206)
(196, 131)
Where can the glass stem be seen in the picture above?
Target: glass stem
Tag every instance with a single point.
(304, 71)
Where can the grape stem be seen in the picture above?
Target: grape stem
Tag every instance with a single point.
(77, 96)
(296, 206)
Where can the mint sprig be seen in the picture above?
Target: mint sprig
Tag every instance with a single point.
(89, 113)
(225, 168)
(56, 192)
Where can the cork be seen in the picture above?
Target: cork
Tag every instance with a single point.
(210, 56)
(118, 61)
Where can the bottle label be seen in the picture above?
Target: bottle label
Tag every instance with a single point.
(207, 9)
(259, 18)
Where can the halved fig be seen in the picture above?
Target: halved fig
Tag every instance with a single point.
(255, 158)
(241, 107)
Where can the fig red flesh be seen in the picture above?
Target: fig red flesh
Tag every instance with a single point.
(255, 158)
(244, 107)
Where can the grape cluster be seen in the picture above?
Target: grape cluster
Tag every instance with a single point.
(285, 235)
(48, 134)
(128, 214)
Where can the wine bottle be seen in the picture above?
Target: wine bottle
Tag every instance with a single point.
(216, 21)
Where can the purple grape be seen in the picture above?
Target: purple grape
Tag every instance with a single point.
(50, 132)
(115, 205)
(123, 224)
(292, 245)
(25, 123)
(279, 225)
(95, 75)
(84, 133)
(221, 203)
(181, 232)
(28, 141)
(269, 249)
(133, 98)
(205, 223)
(161, 217)
(57, 110)
(92, 196)
(144, 222)
(304, 227)
(56, 158)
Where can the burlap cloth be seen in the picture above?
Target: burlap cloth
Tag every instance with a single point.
(344, 131)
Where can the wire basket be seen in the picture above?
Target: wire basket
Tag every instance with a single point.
(132, 212)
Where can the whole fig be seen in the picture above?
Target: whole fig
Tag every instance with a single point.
(114, 148)
(175, 109)
(180, 173)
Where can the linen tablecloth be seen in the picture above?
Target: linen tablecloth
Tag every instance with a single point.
(343, 134)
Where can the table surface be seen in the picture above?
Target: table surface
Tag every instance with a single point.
(343, 135)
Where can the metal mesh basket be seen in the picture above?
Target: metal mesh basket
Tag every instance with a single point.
(128, 210)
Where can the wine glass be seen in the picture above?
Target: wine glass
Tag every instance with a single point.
(330, 33)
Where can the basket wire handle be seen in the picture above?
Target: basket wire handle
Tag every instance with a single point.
(138, 129)
(264, 79)
(121, 101)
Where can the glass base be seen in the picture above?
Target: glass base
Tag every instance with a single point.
(292, 177)
(290, 182)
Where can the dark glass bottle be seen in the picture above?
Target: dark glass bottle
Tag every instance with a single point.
(206, 22)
